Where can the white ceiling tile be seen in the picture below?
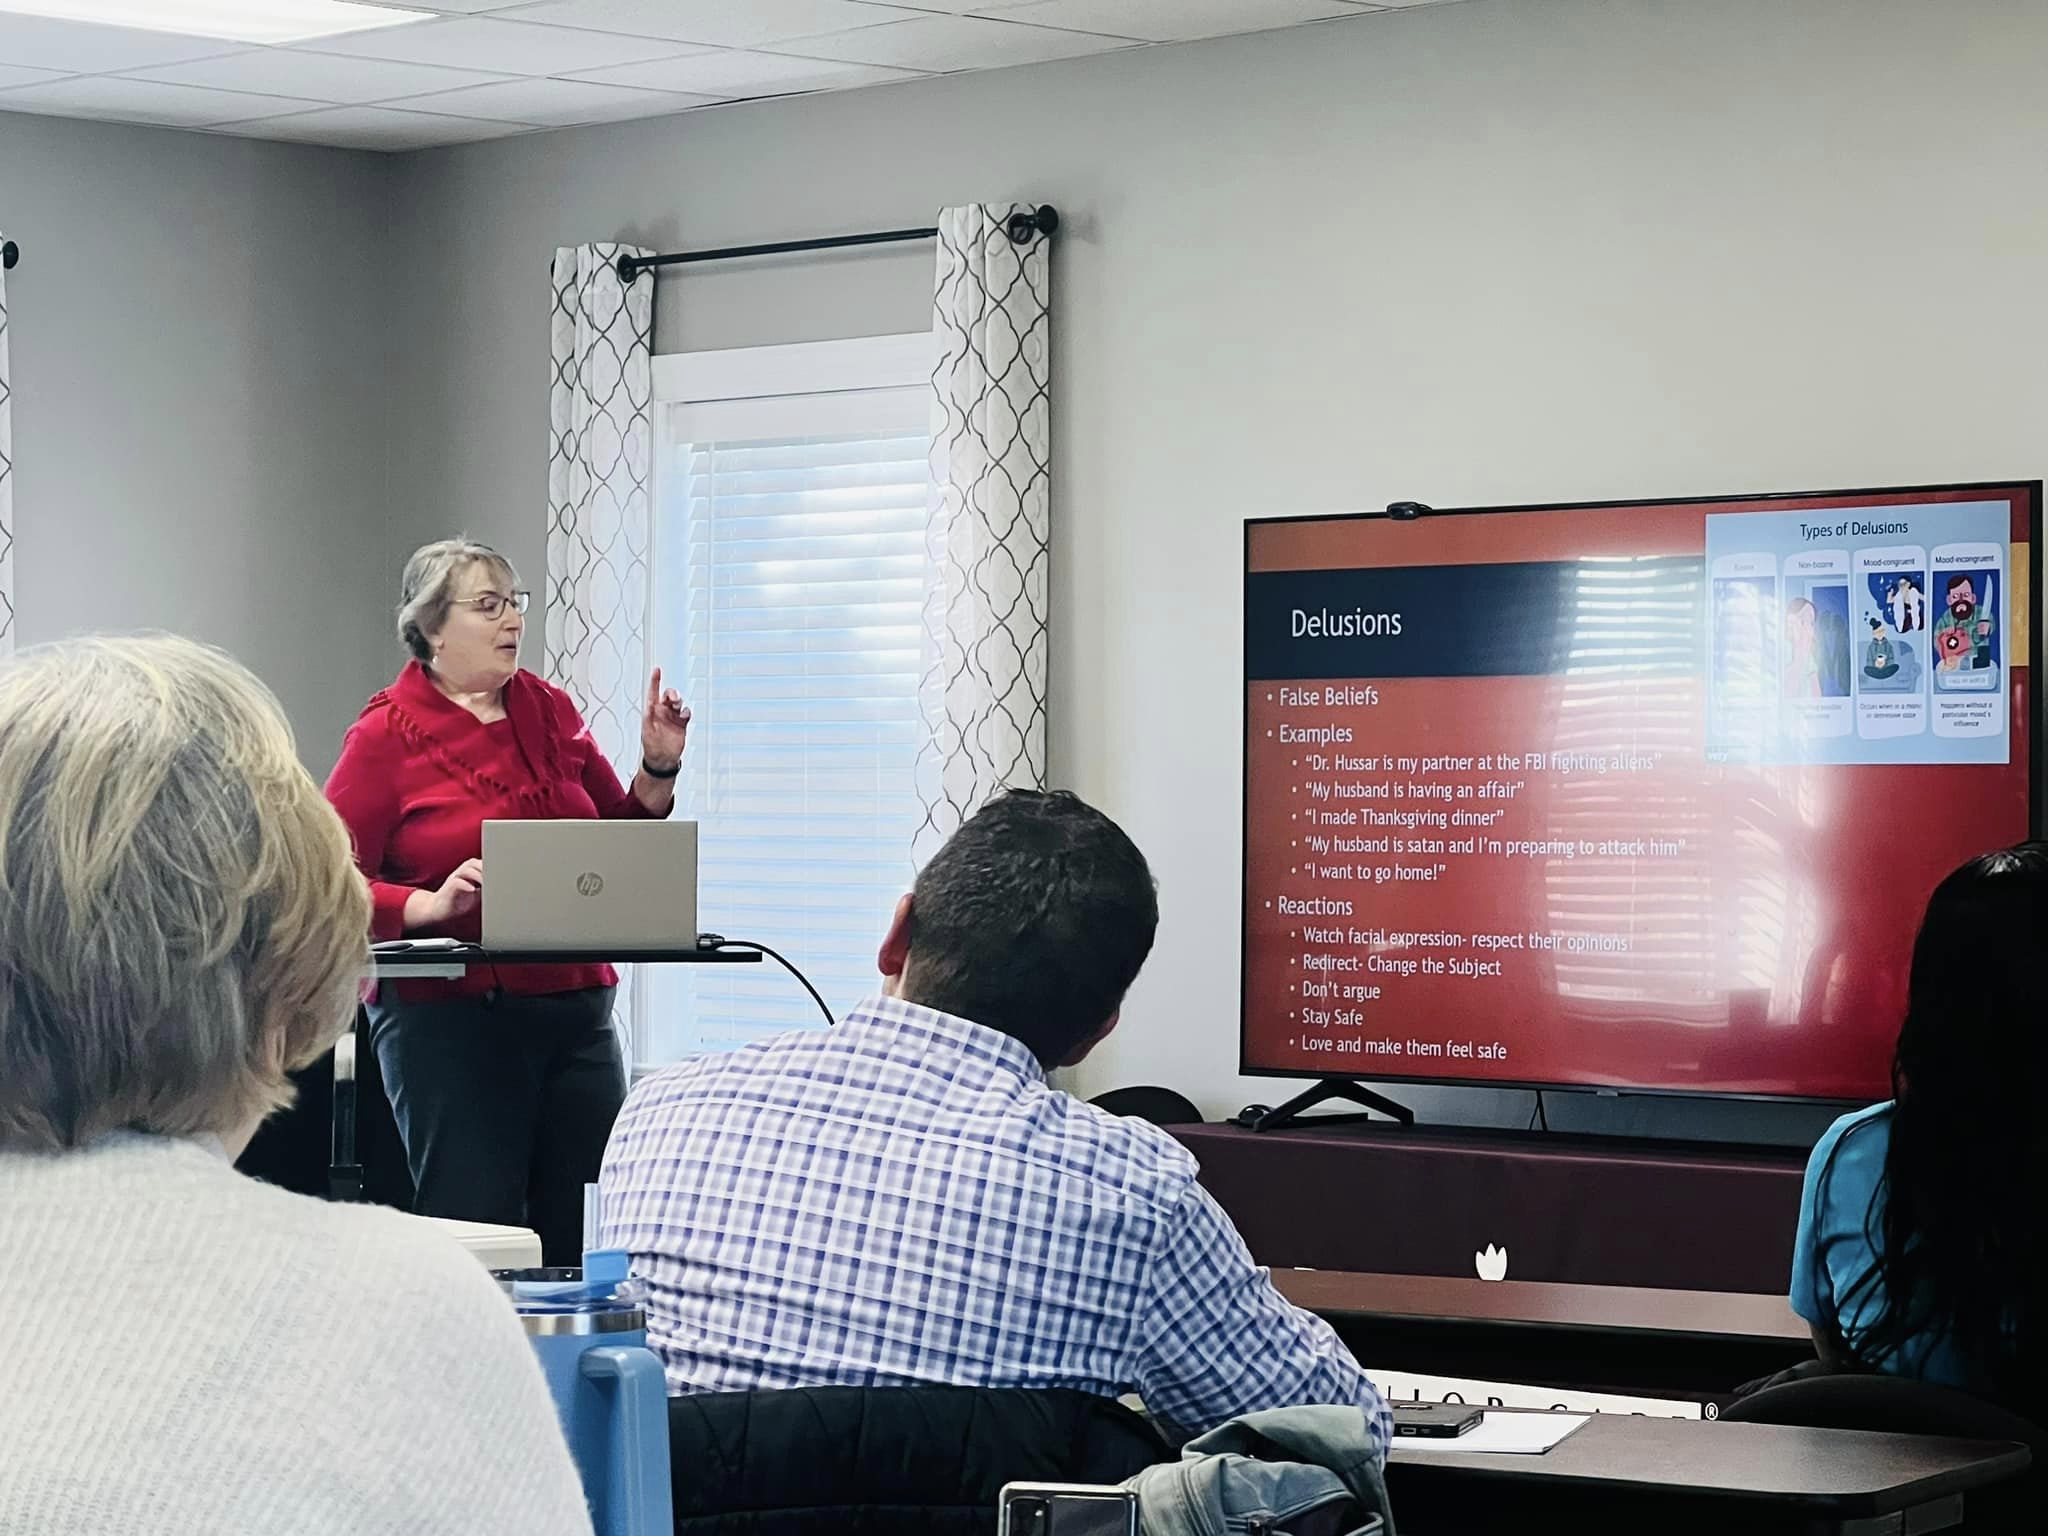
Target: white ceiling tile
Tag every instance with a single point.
(1172, 21)
(734, 73)
(949, 43)
(504, 47)
(328, 77)
(492, 67)
(80, 48)
(385, 128)
(146, 101)
(11, 74)
(722, 23)
(556, 103)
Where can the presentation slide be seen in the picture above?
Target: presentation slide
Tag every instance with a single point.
(1637, 797)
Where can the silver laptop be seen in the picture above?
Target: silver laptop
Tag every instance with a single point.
(617, 886)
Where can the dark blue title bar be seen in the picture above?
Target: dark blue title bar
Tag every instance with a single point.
(1521, 620)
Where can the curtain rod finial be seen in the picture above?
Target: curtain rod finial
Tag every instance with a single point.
(1023, 227)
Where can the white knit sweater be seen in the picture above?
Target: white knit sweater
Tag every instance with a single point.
(184, 1350)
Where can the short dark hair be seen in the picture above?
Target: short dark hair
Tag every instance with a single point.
(1033, 919)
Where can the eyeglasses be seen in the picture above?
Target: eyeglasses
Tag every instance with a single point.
(492, 604)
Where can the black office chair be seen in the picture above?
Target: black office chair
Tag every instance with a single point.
(367, 1157)
(1895, 1405)
(1161, 1106)
(338, 1139)
(888, 1461)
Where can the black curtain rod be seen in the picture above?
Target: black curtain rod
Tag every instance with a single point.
(10, 253)
(1022, 229)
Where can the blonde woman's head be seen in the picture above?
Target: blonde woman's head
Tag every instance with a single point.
(181, 923)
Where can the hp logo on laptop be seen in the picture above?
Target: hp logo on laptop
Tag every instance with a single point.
(589, 883)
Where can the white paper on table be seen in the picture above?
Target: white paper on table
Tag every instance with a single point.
(1498, 1434)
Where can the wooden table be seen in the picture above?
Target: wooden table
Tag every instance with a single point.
(1536, 1304)
(1692, 1344)
(1673, 1477)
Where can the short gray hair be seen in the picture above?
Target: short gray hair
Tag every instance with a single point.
(181, 922)
(424, 590)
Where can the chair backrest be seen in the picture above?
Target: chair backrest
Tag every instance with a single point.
(1889, 1405)
(891, 1461)
(1897, 1405)
(1161, 1106)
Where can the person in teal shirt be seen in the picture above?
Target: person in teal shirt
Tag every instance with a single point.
(1922, 1248)
(1836, 1271)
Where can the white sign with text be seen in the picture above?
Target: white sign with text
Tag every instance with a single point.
(1410, 1387)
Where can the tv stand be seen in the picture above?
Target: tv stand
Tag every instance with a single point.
(1289, 1115)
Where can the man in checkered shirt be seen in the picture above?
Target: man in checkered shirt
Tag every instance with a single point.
(904, 1199)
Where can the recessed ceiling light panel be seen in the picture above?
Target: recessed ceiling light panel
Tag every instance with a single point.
(242, 21)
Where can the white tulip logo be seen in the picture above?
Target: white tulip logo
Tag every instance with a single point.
(1491, 1262)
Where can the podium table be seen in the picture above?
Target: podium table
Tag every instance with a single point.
(338, 1139)
(424, 961)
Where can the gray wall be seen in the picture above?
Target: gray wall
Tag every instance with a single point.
(1506, 250)
(199, 367)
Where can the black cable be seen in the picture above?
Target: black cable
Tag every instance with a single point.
(497, 981)
(720, 941)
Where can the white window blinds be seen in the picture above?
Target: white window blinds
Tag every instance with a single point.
(789, 585)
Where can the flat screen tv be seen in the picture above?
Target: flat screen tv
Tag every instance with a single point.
(1631, 796)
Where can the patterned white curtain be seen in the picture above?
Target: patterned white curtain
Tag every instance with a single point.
(600, 475)
(988, 537)
(6, 478)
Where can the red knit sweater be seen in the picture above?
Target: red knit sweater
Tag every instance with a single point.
(419, 776)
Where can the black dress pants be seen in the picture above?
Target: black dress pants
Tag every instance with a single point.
(505, 1104)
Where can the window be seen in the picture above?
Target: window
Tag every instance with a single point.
(790, 500)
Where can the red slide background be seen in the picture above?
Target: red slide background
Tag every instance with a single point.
(1767, 957)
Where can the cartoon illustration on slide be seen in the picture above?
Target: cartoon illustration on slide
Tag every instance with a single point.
(1849, 639)
(1801, 673)
(1831, 621)
(1742, 637)
(1906, 602)
(1892, 660)
(1816, 664)
(1966, 631)
(1888, 666)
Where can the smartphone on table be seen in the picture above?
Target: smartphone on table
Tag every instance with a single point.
(1435, 1421)
(1065, 1509)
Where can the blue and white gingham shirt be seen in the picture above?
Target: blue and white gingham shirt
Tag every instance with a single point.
(905, 1199)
